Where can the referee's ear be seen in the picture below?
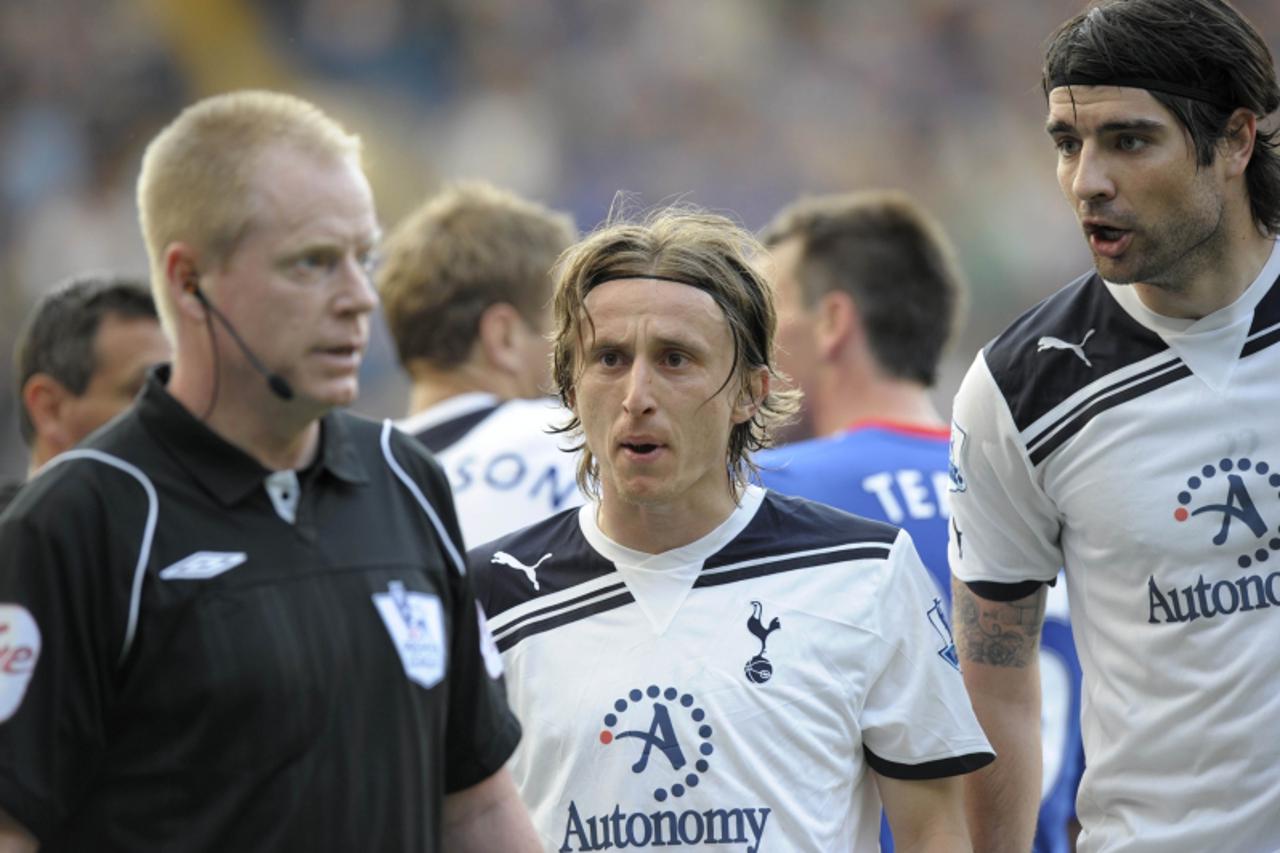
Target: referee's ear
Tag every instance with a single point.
(182, 280)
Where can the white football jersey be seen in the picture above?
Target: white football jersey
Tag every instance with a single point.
(506, 470)
(732, 693)
(1143, 454)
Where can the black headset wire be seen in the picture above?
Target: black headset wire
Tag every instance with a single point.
(217, 365)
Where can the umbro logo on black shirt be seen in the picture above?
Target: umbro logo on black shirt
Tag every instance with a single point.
(203, 565)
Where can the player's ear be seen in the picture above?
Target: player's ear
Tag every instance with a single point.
(499, 337)
(839, 324)
(755, 389)
(46, 400)
(1236, 145)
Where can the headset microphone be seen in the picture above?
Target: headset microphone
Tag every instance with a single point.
(277, 383)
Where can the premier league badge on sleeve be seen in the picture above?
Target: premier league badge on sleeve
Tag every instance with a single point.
(488, 648)
(947, 647)
(415, 621)
(958, 438)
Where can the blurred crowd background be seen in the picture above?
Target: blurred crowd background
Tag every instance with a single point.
(735, 105)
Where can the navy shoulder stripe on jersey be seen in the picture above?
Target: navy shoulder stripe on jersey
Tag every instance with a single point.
(610, 598)
(543, 559)
(805, 526)
(1261, 342)
(550, 562)
(562, 604)
(445, 434)
(574, 580)
(1056, 433)
(748, 569)
(815, 535)
(1267, 313)
(1072, 339)
(1265, 330)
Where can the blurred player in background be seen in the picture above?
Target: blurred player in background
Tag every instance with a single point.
(699, 660)
(466, 290)
(869, 292)
(1126, 428)
(80, 359)
(236, 619)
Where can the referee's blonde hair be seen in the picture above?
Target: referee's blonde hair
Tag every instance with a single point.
(694, 247)
(196, 179)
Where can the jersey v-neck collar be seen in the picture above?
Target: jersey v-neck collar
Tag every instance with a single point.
(660, 583)
(1211, 345)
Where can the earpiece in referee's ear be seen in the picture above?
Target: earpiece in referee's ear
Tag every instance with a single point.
(277, 383)
(192, 286)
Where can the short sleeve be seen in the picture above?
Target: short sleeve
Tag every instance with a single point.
(917, 721)
(1004, 527)
(481, 732)
(59, 641)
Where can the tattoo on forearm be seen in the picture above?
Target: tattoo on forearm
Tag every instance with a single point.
(998, 633)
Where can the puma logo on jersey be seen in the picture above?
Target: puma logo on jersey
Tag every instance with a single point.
(203, 565)
(1050, 342)
(502, 558)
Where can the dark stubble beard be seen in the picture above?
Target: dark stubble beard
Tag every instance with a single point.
(1180, 252)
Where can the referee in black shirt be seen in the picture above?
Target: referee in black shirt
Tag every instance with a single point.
(236, 619)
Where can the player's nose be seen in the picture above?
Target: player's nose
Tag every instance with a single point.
(638, 398)
(1091, 179)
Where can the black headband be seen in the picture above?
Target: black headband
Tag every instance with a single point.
(1163, 86)
(596, 282)
(758, 330)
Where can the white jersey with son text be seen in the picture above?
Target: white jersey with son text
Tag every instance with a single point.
(505, 468)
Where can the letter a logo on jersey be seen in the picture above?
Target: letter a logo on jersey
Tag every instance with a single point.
(1237, 490)
(662, 736)
(1239, 506)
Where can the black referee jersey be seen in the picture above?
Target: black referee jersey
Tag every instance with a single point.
(8, 491)
(183, 669)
